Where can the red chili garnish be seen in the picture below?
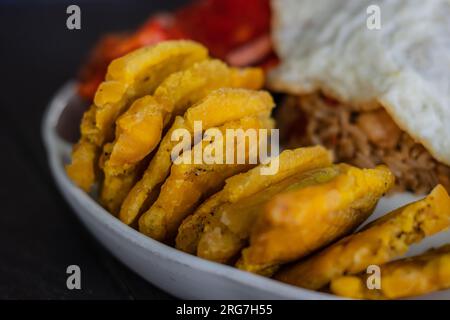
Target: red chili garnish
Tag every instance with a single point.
(223, 25)
(234, 30)
(156, 29)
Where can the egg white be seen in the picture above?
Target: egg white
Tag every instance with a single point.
(404, 66)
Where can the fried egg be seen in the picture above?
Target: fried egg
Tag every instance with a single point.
(402, 64)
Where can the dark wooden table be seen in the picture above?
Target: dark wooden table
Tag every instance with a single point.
(39, 235)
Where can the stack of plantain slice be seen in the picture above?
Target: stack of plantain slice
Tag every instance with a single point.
(295, 224)
(127, 140)
(308, 204)
(344, 264)
(298, 224)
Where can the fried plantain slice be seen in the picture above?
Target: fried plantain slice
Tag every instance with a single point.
(228, 230)
(251, 218)
(238, 103)
(138, 132)
(381, 241)
(85, 154)
(312, 214)
(116, 187)
(290, 162)
(83, 169)
(229, 104)
(189, 182)
(403, 278)
(129, 77)
(184, 88)
(137, 74)
(154, 175)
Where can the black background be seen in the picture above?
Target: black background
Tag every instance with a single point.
(39, 235)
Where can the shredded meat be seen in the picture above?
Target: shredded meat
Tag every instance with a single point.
(364, 139)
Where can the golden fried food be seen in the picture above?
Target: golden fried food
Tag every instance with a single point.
(228, 104)
(141, 193)
(233, 224)
(134, 75)
(381, 241)
(290, 162)
(142, 71)
(139, 129)
(138, 132)
(158, 134)
(217, 108)
(129, 77)
(83, 168)
(408, 277)
(190, 182)
(229, 229)
(183, 89)
(116, 187)
(318, 209)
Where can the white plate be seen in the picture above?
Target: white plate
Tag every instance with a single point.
(182, 275)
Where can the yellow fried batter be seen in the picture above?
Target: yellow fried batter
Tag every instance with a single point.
(137, 74)
(228, 104)
(217, 108)
(83, 168)
(116, 187)
(243, 185)
(192, 227)
(139, 129)
(312, 215)
(129, 77)
(378, 243)
(138, 132)
(154, 175)
(84, 159)
(228, 230)
(190, 182)
(408, 277)
(184, 88)
(250, 78)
